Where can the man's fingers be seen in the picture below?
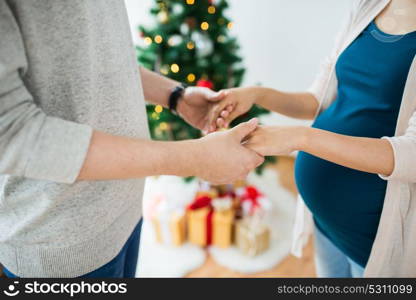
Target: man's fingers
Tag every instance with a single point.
(255, 160)
(244, 129)
(259, 160)
(248, 138)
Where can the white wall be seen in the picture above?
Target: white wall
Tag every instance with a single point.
(282, 41)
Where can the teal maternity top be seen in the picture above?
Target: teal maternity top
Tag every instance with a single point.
(347, 204)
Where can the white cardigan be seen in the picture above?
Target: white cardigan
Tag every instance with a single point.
(394, 249)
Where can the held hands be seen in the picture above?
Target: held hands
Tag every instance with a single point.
(229, 156)
(235, 102)
(208, 110)
(265, 140)
(221, 158)
(197, 105)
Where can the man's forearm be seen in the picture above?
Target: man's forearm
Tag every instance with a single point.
(295, 105)
(157, 88)
(219, 158)
(364, 154)
(114, 157)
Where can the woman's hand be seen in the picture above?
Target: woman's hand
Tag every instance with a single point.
(372, 155)
(235, 102)
(276, 140)
(239, 100)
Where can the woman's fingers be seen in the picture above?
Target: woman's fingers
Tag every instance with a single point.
(224, 114)
(221, 120)
(215, 113)
(221, 110)
(220, 123)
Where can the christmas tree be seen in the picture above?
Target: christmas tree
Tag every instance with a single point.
(191, 43)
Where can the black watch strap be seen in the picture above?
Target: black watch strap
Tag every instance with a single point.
(175, 96)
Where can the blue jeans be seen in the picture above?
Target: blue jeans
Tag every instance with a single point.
(332, 262)
(122, 266)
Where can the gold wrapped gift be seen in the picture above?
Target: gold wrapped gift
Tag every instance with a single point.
(222, 228)
(197, 226)
(211, 193)
(170, 227)
(210, 222)
(173, 233)
(252, 237)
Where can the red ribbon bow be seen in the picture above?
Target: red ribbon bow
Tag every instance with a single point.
(252, 195)
(200, 202)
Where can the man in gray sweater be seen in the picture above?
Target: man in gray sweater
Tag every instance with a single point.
(74, 141)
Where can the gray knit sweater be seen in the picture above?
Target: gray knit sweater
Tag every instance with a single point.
(66, 67)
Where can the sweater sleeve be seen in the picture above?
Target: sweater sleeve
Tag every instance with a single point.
(32, 144)
(404, 149)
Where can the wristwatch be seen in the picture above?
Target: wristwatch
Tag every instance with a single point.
(175, 96)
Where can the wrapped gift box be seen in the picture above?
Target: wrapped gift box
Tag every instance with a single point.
(210, 222)
(223, 221)
(252, 236)
(168, 221)
(199, 226)
(171, 230)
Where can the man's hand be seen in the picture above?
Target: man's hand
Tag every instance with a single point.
(220, 158)
(235, 102)
(196, 105)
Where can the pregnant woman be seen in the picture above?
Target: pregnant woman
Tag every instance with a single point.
(356, 169)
